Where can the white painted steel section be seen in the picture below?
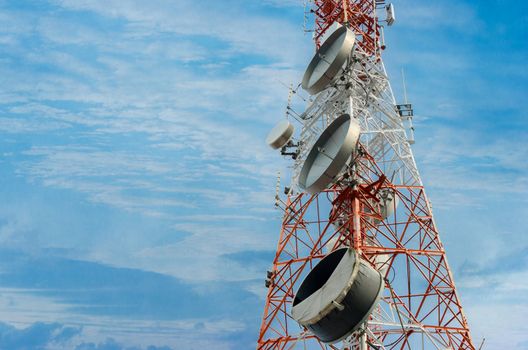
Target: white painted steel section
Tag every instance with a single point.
(364, 92)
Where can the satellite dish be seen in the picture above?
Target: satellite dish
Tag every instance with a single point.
(329, 154)
(280, 134)
(328, 60)
(337, 296)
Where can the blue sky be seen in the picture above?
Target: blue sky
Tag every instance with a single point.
(137, 191)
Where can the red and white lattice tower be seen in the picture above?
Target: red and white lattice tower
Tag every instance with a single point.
(420, 307)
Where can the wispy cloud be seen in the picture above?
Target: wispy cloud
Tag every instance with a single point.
(88, 297)
(446, 15)
(496, 288)
(200, 256)
(167, 108)
(38, 335)
(182, 18)
(469, 161)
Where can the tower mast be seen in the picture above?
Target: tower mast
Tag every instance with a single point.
(377, 207)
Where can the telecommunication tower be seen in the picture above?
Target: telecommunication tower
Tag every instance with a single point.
(359, 261)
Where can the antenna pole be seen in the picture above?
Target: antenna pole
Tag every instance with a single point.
(404, 87)
(290, 94)
(345, 11)
(277, 189)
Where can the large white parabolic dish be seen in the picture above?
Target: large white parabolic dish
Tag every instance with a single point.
(337, 296)
(328, 60)
(280, 134)
(329, 154)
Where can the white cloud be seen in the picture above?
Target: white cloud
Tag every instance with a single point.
(503, 325)
(247, 33)
(285, 3)
(25, 307)
(201, 255)
(172, 107)
(468, 161)
(21, 126)
(426, 15)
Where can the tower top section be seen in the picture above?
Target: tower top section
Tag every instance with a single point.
(359, 15)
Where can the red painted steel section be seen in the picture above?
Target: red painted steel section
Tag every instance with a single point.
(359, 15)
(409, 239)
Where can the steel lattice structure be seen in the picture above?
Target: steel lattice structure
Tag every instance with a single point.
(420, 307)
(360, 16)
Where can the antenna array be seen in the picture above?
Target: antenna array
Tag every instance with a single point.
(359, 262)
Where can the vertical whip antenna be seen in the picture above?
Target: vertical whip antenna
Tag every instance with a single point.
(406, 111)
(277, 189)
(290, 95)
(404, 86)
